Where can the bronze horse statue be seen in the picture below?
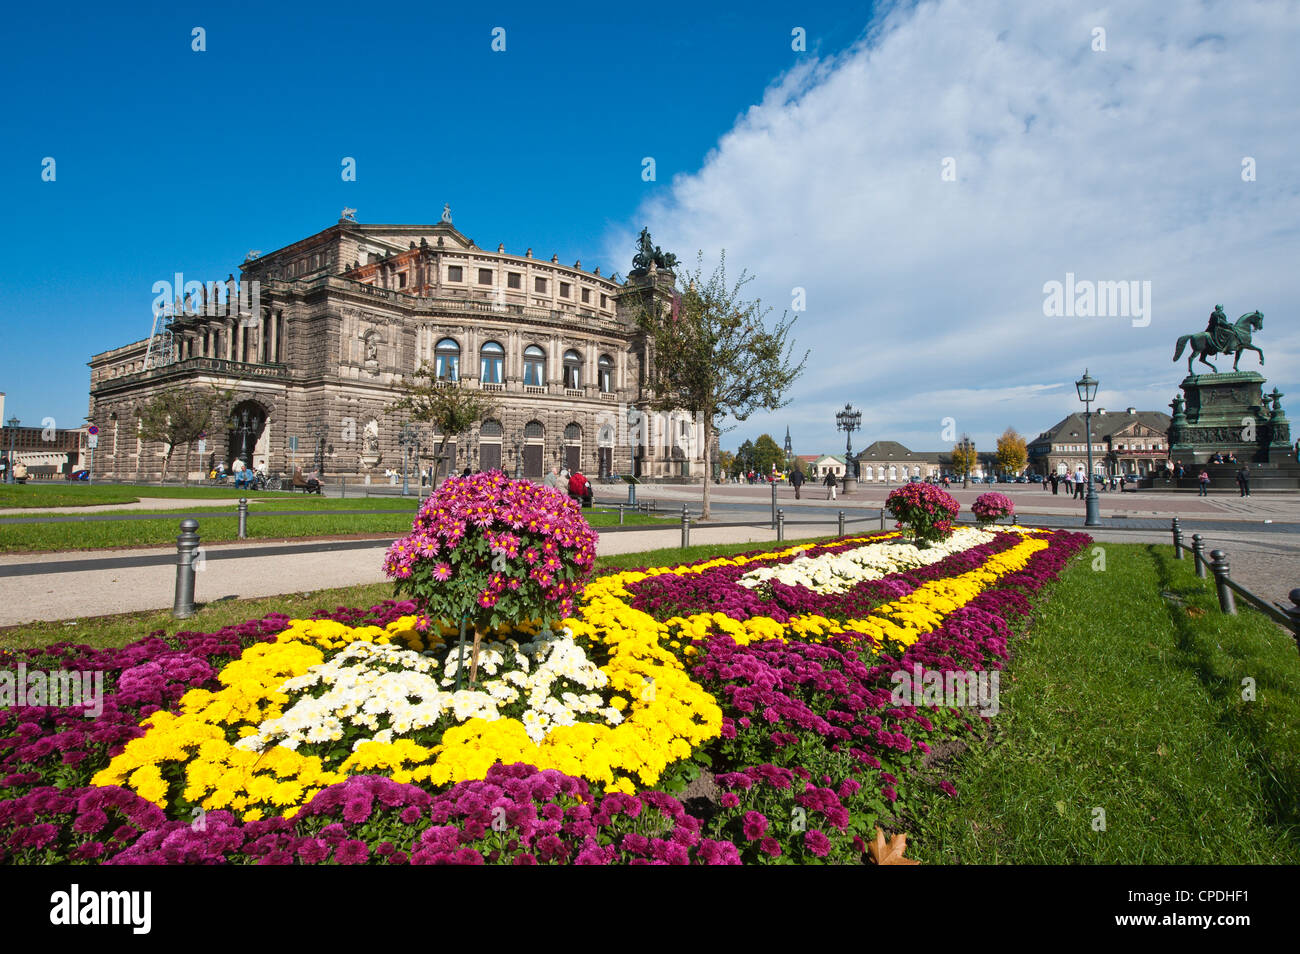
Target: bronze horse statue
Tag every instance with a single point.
(1203, 346)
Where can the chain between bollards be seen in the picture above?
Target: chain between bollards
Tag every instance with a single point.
(841, 522)
(1219, 564)
(187, 544)
(243, 518)
(1198, 554)
(780, 525)
(686, 527)
(1178, 539)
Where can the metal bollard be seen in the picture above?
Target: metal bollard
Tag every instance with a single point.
(686, 527)
(243, 518)
(1198, 554)
(631, 494)
(841, 520)
(1219, 564)
(620, 515)
(780, 525)
(343, 486)
(1178, 540)
(882, 518)
(186, 546)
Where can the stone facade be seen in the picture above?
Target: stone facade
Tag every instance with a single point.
(341, 317)
(1128, 442)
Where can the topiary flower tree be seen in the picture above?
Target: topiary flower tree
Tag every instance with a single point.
(990, 506)
(494, 552)
(924, 511)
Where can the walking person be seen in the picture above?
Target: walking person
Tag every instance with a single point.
(830, 484)
(1080, 481)
(1205, 483)
(1243, 480)
(1055, 482)
(796, 481)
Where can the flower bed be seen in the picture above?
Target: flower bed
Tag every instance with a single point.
(735, 709)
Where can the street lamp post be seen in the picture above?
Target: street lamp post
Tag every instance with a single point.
(406, 439)
(965, 461)
(13, 423)
(848, 421)
(519, 455)
(1087, 388)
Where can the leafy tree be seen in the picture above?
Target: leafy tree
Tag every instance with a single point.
(450, 409)
(1013, 453)
(180, 416)
(745, 457)
(727, 463)
(715, 356)
(964, 457)
(768, 455)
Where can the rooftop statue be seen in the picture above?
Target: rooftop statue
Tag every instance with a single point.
(649, 254)
(1220, 337)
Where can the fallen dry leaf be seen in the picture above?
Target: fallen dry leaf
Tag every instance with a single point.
(1195, 612)
(891, 853)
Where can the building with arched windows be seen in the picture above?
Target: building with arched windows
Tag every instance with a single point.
(343, 315)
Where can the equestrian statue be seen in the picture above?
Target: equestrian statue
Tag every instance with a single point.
(1220, 337)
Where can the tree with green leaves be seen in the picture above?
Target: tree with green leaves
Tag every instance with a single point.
(768, 455)
(727, 463)
(745, 457)
(443, 404)
(715, 356)
(180, 416)
(1013, 453)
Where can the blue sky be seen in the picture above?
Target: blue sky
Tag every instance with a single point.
(818, 170)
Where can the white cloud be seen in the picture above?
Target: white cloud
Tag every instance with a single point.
(924, 296)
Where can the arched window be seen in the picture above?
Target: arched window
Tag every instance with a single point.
(534, 367)
(572, 369)
(866, 472)
(447, 360)
(573, 434)
(491, 357)
(534, 431)
(606, 374)
(490, 428)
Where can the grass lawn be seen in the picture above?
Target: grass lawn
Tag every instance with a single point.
(58, 493)
(393, 515)
(1127, 696)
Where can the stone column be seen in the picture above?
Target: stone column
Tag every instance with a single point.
(227, 332)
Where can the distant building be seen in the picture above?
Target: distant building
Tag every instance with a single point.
(827, 464)
(1127, 442)
(45, 451)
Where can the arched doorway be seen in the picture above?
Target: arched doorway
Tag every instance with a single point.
(534, 438)
(573, 447)
(246, 434)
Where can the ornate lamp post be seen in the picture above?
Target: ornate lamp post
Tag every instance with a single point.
(965, 461)
(848, 421)
(1087, 388)
(249, 424)
(13, 423)
(519, 454)
(406, 440)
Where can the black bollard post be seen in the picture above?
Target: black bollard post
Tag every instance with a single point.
(1198, 554)
(620, 515)
(841, 522)
(1178, 540)
(780, 525)
(686, 527)
(1219, 564)
(186, 546)
(774, 505)
(243, 518)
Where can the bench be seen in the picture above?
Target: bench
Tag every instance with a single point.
(300, 481)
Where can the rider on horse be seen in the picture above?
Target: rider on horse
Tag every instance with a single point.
(1220, 331)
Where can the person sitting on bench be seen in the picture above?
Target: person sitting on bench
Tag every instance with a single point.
(310, 485)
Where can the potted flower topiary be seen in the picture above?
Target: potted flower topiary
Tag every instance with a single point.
(990, 506)
(494, 552)
(924, 511)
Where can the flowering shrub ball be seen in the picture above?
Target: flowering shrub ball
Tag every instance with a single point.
(925, 511)
(990, 506)
(675, 715)
(496, 550)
